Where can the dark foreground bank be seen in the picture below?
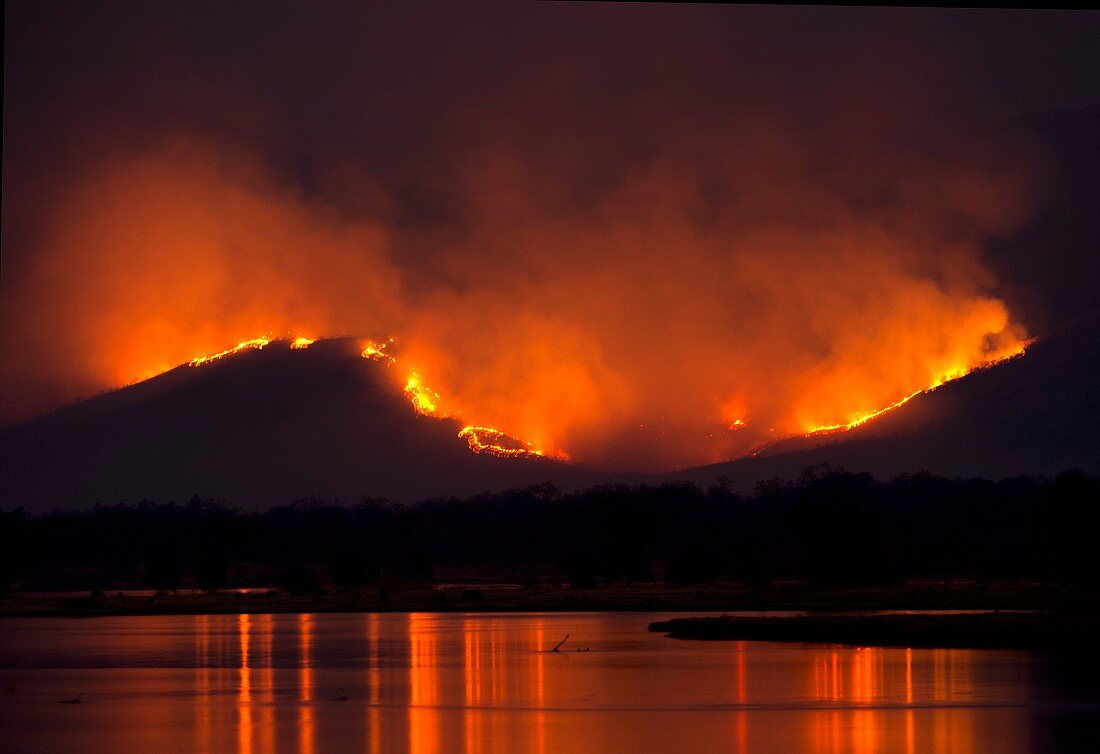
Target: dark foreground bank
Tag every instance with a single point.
(396, 596)
(1000, 630)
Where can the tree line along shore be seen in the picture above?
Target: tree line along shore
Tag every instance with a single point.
(830, 540)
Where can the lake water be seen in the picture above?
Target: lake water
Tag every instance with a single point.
(486, 683)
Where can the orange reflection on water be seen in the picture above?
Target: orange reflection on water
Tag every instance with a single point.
(506, 674)
(901, 700)
(910, 732)
(471, 663)
(742, 722)
(305, 680)
(540, 686)
(482, 684)
(374, 690)
(423, 688)
(255, 688)
(265, 680)
(202, 656)
(244, 699)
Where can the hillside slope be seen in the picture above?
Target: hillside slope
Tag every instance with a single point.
(259, 428)
(1036, 414)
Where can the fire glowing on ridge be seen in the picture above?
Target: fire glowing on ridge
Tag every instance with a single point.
(428, 402)
(1012, 352)
(256, 343)
(834, 401)
(487, 439)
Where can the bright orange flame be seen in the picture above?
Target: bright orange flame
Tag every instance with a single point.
(425, 400)
(481, 439)
(256, 343)
(1010, 352)
(494, 442)
(428, 402)
(375, 351)
(300, 343)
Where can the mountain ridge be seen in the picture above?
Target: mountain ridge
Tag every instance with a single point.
(271, 426)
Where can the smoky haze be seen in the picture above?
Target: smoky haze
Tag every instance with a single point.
(611, 231)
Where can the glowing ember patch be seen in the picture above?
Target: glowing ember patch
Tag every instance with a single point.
(375, 351)
(496, 443)
(425, 400)
(944, 378)
(736, 424)
(256, 343)
(299, 343)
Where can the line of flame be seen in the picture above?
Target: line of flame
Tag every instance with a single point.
(256, 343)
(938, 382)
(427, 402)
(487, 440)
(481, 439)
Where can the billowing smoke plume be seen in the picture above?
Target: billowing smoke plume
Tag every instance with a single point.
(638, 237)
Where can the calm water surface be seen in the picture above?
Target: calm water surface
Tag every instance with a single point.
(486, 683)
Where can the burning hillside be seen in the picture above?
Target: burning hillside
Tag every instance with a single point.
(271, 425)
(260, 427)
(427, 402)
(668, 265)
(423, 399)
(481, 439)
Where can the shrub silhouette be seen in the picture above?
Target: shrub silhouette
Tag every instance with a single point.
(830, 527)
(299, 580)
(349, 569)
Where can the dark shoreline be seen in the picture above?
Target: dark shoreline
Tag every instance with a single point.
(1000, 630)
(432, 597)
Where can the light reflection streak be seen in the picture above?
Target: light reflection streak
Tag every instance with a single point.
(889, 700)
(423, 688)
(864, 730)
(485, 684)
(496, 666)
(306, 738)
(203, 643)
(374, 682)
(244, 698)
(471, 665)
(540, 687)
(264, 685)
(910, 732)
(742, 721)
(255, 692)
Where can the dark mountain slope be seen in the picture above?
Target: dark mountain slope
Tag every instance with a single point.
(1036, 414)
(258, 428)
(269, 427)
